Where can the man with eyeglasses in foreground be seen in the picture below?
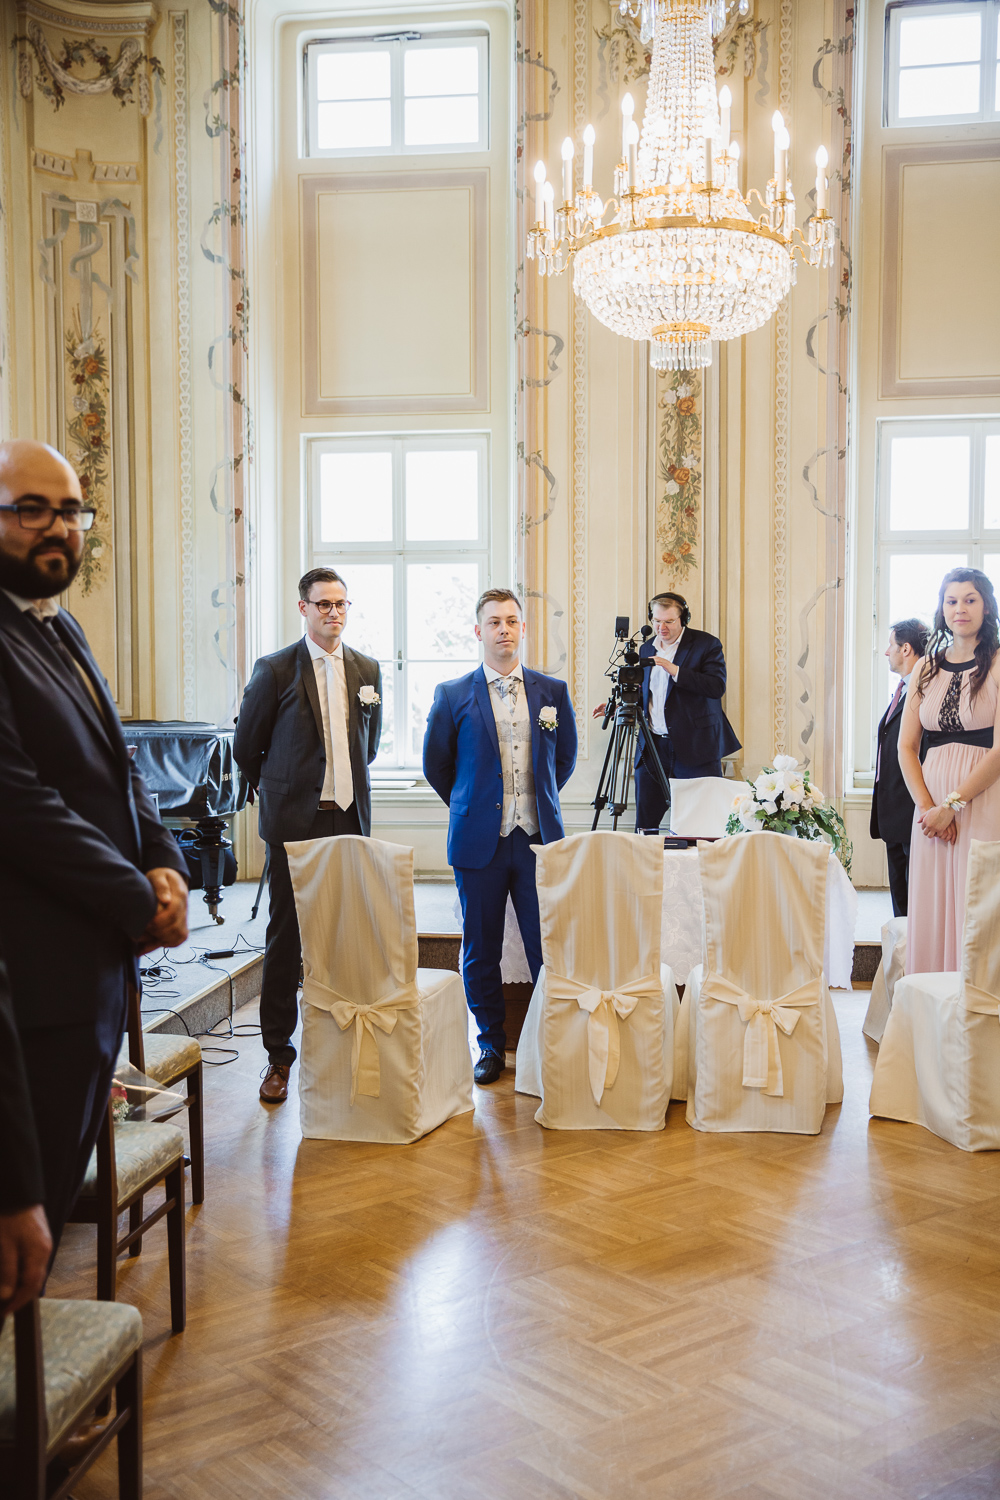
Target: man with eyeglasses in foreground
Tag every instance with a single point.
(308, 730)
(89, 877)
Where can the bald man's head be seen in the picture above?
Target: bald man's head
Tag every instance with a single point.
(40, 550)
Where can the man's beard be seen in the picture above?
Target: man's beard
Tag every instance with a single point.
(33, 580)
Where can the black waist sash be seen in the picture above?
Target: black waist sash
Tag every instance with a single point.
(983, 737)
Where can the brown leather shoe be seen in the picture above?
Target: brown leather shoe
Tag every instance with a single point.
(274, 1089)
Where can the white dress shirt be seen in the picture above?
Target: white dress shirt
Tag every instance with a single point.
(509, 701)
(659, 684)
(331, 680)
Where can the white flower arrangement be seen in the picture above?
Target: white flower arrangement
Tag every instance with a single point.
(783, 799)
(368, 696)
(548, 718)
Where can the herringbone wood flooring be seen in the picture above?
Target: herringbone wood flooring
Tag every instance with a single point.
(500, 1311)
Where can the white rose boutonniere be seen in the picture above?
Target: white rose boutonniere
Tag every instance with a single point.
(368, 696)
(548, 718)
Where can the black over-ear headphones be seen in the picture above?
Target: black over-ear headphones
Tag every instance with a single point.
(670, 599)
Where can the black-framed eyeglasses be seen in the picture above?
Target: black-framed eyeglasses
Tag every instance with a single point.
(325, 605)
(35, 516)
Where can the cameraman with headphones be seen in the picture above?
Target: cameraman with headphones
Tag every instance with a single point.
(681, 696)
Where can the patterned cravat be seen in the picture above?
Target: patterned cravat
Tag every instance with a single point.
(507, 688)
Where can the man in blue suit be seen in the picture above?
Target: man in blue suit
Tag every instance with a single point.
(501, 723)
(681, 696)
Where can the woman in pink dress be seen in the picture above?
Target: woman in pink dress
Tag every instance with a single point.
(953, 697)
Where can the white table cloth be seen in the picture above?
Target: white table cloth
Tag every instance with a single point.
(683, 920)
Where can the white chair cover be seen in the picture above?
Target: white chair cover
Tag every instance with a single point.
(385, 1045)
(763, 1048)
(597, 1042)
(892, 968)
(939, 1061)
(700, 808)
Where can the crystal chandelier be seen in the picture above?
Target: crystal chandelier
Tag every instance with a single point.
(676, 256)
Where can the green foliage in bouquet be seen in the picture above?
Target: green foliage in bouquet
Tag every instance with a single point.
(783, 799)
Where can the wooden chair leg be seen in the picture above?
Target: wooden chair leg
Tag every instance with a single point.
(128, 1392)
(196, 1128)
(174, 1184)
(134, 1221)
(31, 1428)
(107, 1256)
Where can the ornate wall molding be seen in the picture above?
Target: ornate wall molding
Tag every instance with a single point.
(109, 20)
(182, 219)
(578, 556)
(132, 70)
(782, 422)
(55, 166)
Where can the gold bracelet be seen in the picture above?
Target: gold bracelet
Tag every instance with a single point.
(954, 801)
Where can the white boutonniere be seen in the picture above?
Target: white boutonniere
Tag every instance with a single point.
(368, 696)
(548, 718)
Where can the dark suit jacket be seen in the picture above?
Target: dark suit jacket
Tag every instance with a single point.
(462, 761)
(77, 830)
(693, 713)
(279, 739)
(892, 805)
(20, 1161)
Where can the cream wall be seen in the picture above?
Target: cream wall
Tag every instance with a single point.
(120, 242)
(927, 344)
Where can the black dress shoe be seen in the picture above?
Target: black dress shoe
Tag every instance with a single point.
(488, 1068)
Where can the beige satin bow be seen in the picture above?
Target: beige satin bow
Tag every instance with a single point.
(604, 1008)
(980, 1001)
(365, 1070)
(761, 1057)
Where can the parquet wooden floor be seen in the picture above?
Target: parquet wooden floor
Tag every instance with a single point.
(505, 1312)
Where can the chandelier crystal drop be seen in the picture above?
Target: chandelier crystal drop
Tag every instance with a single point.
(676, 255)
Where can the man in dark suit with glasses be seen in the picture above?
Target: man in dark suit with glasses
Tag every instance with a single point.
(309, 728)
(89, 877)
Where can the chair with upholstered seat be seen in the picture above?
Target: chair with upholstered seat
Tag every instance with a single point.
(939, 1059)
(763, 1048)
(128, 1161)
(385, 1046)
(597, 1042)
(59, 1361)
(169, 1060)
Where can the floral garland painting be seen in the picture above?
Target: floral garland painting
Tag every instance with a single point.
(88, 435)
(678, 471)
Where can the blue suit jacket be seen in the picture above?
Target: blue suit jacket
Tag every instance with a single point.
(462, 761)
(697, 726)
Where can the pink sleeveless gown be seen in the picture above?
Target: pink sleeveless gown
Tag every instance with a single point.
(936, 906)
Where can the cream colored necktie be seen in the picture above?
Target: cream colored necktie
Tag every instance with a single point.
(343, 779)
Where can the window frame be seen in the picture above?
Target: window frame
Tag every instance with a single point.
(989, 102)
(975, 540)
(399, 552)
(396, 44)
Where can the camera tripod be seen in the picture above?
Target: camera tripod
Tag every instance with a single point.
(625, 703)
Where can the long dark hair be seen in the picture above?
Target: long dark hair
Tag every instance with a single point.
(989, 635)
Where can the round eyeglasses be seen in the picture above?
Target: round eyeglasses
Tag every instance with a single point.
(325, 605)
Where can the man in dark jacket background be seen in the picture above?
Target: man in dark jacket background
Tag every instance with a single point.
(309, 727)
(89, 877)
(892, 805)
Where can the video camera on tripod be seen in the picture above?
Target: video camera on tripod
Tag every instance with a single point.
(624, 706)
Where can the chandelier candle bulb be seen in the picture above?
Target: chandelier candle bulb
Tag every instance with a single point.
(633, 161)
(628, 110)
(782, 142)
(709, 165)
(567, 161)
(539, 192)
(725, 109)
(822, 158)
(549, 196)
(589, 137)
